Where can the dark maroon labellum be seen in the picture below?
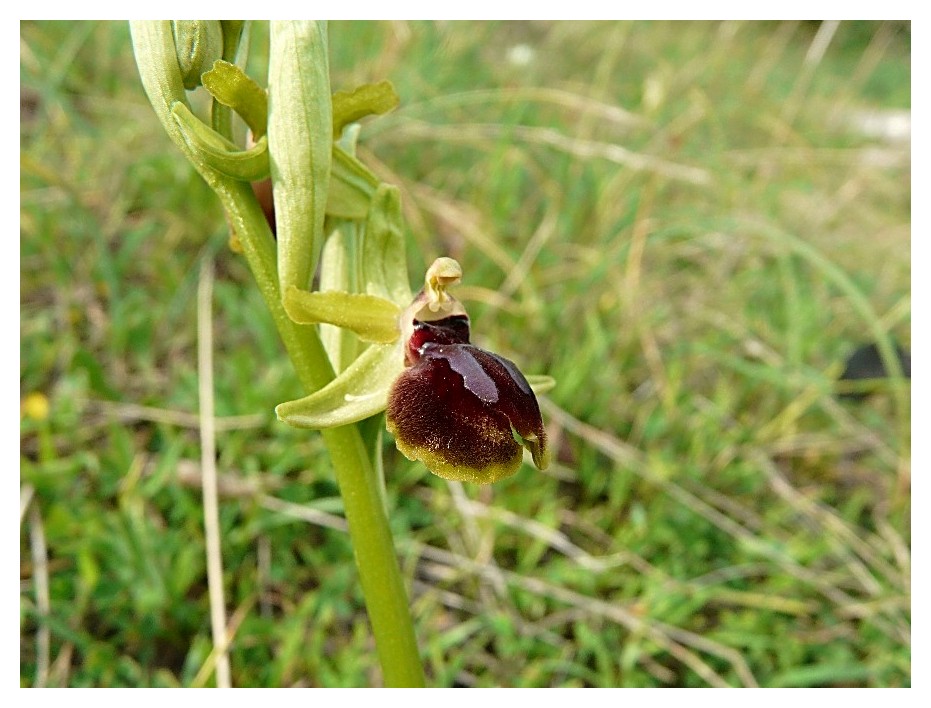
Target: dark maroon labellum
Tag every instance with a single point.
(463, 411)
(450, 330)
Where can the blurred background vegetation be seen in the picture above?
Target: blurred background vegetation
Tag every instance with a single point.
(688, 225)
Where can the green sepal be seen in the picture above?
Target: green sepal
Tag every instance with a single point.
(352, 186)
(541, 383)
(218, 153)
(357, 393)
(539, 453)
(372, 318)
(366, 100)
(384, 261)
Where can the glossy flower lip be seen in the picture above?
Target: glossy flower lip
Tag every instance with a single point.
(463, 411)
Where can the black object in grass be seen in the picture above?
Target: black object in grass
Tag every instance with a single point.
(866, 363)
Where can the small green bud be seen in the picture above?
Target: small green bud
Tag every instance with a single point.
(300, 141)
(199, 43)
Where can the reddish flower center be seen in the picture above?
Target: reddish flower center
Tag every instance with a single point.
(450, 330)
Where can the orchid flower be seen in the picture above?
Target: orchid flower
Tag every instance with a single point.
(464, 412)
(362, 342)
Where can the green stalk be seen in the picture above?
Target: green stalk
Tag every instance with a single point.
(379, 573)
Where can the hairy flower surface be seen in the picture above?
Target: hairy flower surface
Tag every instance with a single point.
(463, 411)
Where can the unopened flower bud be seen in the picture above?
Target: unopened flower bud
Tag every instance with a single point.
(199, 44)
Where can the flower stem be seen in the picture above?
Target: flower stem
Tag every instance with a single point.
(379, 573)
(382, 587)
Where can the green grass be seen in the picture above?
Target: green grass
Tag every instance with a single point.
(692, 273)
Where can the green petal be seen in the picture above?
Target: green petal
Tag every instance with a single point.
(541, 383)
(357, 393)
(373, 318)
(539, 453)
